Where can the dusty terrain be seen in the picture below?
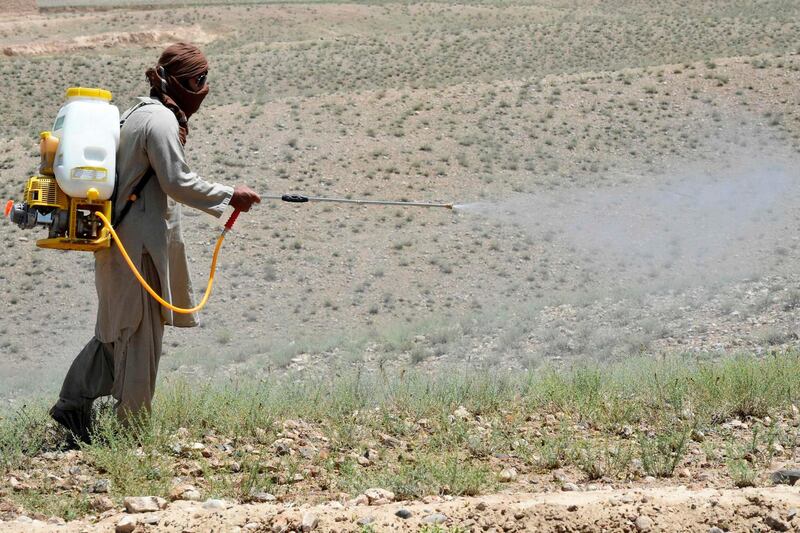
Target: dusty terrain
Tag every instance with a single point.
(686, 120)
(303, 476)
(628, 181)
(643, 509)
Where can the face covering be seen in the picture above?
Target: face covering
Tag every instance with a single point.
(189, 101)
(180, 61)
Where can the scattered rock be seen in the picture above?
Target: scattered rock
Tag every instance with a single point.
(17, 485)
(144, 504)
(775, 523)
(786, 476)
(309, 522)
(791, 514)
(405, 514)
(508, 475)
(262, 436)
(283, 446)
(262, 497)
(150, 519)
(569, 487)
(361, 499)
(215, 505)
(435, 518)
(735, 424)
(307, 452)
(643, 524)
(462, 413)
(185, 492)
(391, 442)
(481, 506)
(365, 520)
(372, 454)
(101, 504)
(126, 524)
(281, 524)
(379, 496)
(715, 529)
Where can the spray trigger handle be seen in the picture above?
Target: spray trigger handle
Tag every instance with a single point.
(232, 220)
(294, 198)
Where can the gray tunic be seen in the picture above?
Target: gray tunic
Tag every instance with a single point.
(149, 138)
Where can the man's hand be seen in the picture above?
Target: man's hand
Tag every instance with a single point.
(243, 198)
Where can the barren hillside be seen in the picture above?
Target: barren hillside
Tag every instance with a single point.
(626, 184)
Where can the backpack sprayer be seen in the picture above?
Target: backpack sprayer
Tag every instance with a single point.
(77, 174)
(72, 193)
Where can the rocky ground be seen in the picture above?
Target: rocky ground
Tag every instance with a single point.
(647, 213)
(639, 509)
(631, 192)
(307, 476)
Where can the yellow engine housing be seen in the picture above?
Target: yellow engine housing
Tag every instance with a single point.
(44, 192)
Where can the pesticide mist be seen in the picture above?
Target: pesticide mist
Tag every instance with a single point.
(694, 258)
(691, 227)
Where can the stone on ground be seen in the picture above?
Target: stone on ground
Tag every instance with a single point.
(126, 524)
(144, 504)
(378, 496)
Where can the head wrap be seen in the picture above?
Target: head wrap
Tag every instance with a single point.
(179, 62)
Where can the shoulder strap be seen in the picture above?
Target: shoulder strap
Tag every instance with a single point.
(135, 194)
(131, 111)
(137, 190)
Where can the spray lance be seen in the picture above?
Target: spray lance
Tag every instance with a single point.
(299, 199)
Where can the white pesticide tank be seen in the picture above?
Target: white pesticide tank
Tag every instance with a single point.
(87, 127)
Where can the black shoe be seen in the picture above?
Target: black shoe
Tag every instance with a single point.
(78, 421)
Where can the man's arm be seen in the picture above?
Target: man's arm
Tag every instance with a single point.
(167, 159)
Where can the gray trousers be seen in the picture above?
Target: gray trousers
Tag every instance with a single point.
(125, 368)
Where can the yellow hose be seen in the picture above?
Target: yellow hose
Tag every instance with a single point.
(147, 287)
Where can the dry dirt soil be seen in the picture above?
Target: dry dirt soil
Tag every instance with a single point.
(626, 174)
(629, 173)
(663, 509)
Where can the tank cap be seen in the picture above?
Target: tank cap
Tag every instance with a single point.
(89, 92)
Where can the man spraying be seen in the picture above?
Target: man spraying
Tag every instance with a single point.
(153, 180)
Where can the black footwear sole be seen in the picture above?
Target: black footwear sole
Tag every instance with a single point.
(76, 421)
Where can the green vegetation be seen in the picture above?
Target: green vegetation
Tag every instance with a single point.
(628, 420)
